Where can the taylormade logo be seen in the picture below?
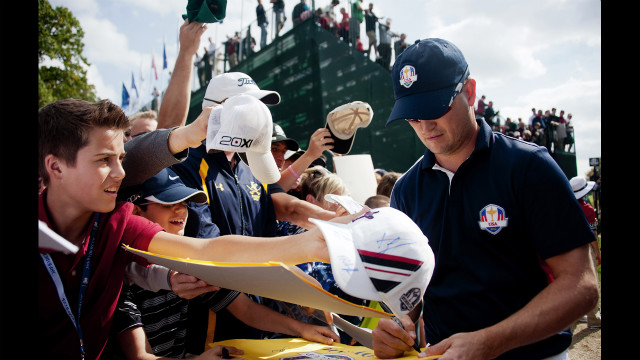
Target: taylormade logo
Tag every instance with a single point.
(236, 142)
(245, 81)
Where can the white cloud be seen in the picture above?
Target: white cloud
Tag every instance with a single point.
(105, 44)
(158, 7)
(103, 90)
(501, 51)
(77, 6)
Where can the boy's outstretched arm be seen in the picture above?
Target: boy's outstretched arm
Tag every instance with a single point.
(308, 246)
(290, 250)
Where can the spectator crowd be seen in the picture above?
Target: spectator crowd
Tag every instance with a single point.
(382, 44)
(157, 184)
(548, 129)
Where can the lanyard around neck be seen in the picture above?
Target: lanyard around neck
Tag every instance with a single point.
(86, 273)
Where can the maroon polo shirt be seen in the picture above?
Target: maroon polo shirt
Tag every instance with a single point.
(57, 337)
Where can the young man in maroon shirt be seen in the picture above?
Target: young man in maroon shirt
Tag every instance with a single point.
(80, 160)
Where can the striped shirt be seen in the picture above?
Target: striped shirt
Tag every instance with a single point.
(163, 315)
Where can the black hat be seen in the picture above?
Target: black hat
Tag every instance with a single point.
(279, 135)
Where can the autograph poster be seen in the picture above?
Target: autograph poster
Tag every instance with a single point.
(300, 349)
(271, 280)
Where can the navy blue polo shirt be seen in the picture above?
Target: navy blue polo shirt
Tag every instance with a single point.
(238, 202)
(508, 205)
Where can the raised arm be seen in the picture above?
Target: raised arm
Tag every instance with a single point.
(151, 152)
(320, 141)
(175, 102)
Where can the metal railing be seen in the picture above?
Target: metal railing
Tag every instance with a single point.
(221, 62)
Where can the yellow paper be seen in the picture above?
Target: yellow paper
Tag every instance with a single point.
(300, 349)
(271, 280)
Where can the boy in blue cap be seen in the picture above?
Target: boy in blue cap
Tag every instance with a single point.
(493, 208)
(149, 322)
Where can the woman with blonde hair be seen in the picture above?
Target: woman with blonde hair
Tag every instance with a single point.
(315, 183)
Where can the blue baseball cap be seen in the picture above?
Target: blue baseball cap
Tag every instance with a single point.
(427, 76)
(166, 188)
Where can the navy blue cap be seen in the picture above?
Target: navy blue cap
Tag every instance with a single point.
(166, 188)
(426, 77)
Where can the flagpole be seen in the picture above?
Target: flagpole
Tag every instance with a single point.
(142, 82)
(161, 78)
(151, 77)
(217, 53)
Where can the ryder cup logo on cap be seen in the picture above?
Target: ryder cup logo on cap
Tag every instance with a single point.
(224, 86)
(382, 255)
(244, 124)
(427, 76)
(408, 76)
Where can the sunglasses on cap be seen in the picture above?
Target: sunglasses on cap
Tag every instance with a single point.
(320, 173)
(415, 121)
(217, 102)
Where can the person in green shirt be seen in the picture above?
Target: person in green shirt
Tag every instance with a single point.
(357, 16)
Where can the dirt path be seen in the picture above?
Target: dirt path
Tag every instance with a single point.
(586, 343)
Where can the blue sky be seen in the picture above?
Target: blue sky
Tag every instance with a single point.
(523, 54)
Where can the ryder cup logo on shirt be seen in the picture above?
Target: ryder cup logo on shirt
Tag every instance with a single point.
(493, 218)
(408, 76)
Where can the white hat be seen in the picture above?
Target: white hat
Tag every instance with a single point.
(244, 124)
(581, 186)
(382, 255)
(343, 122)
(226, 85)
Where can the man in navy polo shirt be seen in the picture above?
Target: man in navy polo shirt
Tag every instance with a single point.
(494, 209)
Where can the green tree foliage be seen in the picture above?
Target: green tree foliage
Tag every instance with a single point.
(62, 68)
